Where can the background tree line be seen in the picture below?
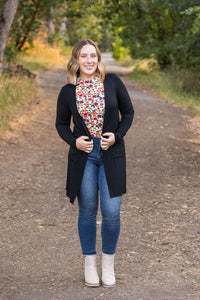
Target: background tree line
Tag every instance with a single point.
(168, 30)
(159, 28)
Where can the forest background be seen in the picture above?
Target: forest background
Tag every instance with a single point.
(158, 39)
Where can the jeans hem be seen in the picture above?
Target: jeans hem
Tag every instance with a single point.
(103, 252)
(86, 254)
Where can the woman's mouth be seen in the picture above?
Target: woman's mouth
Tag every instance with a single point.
(89, 67)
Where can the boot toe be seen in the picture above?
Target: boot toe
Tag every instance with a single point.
(92, 284)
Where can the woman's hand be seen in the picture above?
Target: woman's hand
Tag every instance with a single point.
(84, 144)
(107, 140)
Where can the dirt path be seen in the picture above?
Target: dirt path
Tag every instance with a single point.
(158, 256)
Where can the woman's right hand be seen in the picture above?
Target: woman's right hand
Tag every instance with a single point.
(84, 144)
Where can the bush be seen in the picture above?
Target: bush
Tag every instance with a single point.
(119, 52)
(191, 83)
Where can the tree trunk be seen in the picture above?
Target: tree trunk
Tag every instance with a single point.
(50, 23)
(28, 28)
(6, 19)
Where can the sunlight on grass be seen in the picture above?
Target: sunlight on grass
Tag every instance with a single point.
(15, 92)
(146, 65)
(168, 85)
(43, 55)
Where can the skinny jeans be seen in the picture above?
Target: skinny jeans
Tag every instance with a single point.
(93, 183)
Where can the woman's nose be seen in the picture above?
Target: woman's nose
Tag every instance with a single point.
(88, 58)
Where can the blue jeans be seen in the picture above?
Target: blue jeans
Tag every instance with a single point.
(94, 180)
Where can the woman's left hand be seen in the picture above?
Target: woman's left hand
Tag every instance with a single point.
(107, 140)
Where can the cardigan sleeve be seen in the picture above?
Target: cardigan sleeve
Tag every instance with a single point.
(126, 109)
(63, 119)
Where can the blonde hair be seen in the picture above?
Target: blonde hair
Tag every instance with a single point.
(73, 66)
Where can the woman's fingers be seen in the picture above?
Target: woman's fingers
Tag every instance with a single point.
(84, 144)
(89, 148)
(107, 140)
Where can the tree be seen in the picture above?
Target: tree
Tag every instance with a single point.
(31, 17)
(7, 14)
(194, 10)
(85, 19)
(82, 18)
(156, 27)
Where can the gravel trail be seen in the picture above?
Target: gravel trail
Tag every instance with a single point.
(158, 256)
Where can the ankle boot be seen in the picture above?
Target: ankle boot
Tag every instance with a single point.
(91, 275)
(108, 275)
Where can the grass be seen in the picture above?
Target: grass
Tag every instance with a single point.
(43, 56)
(168, 86)
(16, 92)
(174, 86)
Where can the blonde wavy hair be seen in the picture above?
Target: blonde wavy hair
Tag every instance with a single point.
(73, 66)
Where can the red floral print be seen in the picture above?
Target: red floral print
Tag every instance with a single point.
(90, 101)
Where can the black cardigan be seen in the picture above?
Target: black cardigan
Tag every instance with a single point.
(116, 100)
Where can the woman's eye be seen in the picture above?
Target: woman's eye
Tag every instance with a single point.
(92, 55)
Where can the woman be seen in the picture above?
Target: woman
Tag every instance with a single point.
(96, 159)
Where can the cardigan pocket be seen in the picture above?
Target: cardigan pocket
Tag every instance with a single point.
(75, 155)
(120, 154)
(118, 149)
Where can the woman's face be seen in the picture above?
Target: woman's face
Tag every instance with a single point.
(88, 62)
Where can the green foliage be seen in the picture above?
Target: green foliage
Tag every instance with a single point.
(194, 10)
(85, 20)
(141, 28)
(29, 19)
(156, 27)
(10, 53)
(1, 6)
(191, 83)
(119, 52)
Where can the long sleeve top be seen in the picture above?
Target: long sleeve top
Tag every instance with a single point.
(118, 118)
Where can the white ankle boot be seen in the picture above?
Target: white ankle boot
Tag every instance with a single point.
(108, 275)
(91, 275)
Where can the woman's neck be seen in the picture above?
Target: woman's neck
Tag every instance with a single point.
(89, 77)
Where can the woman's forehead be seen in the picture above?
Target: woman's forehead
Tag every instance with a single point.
(88, 49)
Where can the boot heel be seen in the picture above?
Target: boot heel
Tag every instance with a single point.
(108, 274)
(91, 275)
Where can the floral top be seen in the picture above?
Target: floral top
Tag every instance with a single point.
(90, 101)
